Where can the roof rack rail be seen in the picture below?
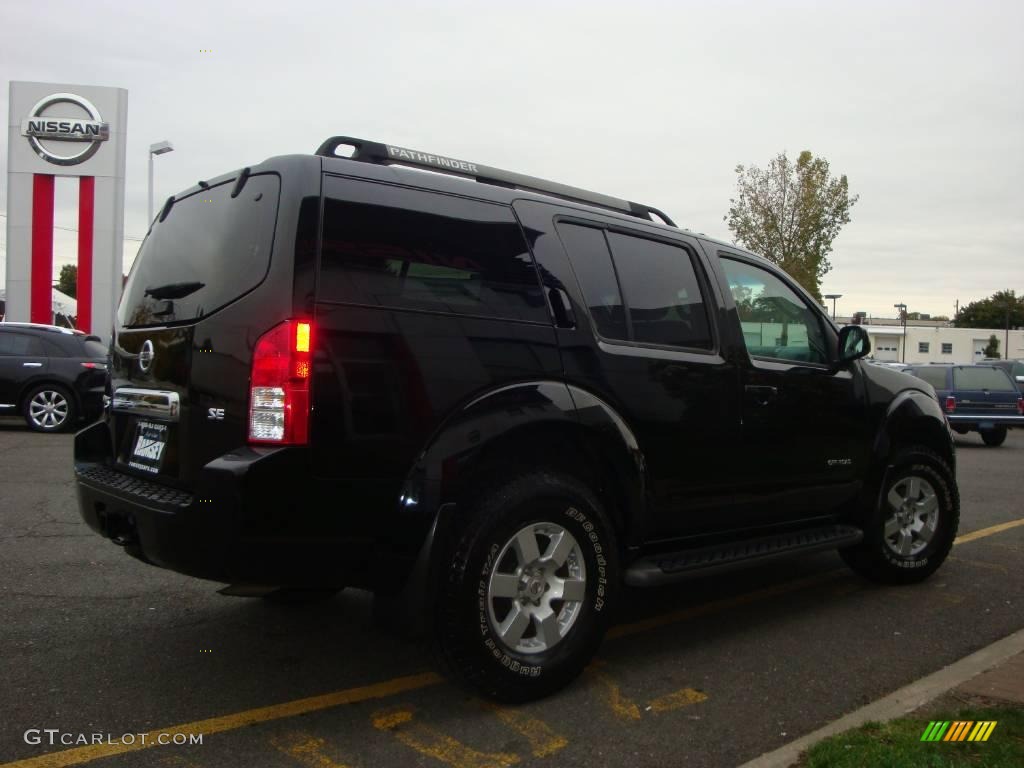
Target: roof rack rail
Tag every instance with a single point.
(387, 154)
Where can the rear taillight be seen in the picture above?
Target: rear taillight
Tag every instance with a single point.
(279, 388)
(950, 404)
(1020, 405)
(96, 366)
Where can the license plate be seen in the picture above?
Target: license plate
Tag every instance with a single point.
(148, 446)
(986, 425)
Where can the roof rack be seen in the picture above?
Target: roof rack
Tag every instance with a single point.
(388, 154)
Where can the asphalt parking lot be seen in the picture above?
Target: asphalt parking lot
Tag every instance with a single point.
(710, 673)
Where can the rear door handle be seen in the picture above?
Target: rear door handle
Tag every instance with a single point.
(32, 365)
(760, 395)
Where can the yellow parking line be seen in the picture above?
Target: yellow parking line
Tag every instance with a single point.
(621, 705)
(306, 749)
(543, 740)
(80, 755)
(988, 531)
(432, 743)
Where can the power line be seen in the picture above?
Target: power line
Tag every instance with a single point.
(73, 229)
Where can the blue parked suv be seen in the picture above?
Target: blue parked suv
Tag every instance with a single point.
(976, 398)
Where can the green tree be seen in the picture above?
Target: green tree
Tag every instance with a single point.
(992, 349)
(67, 282)
(991, 312)
(791, 213)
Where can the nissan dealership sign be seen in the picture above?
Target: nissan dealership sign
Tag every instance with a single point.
(58, 130)
(50, 136)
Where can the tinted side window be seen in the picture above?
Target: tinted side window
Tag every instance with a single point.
(593, 266)
(395, 247)
(991, 379)
(777, 324)
(934, 376)
(661, 291)
(20, 344)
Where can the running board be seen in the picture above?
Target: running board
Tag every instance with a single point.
(669, 567)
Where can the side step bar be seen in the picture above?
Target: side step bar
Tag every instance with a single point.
(670, 567)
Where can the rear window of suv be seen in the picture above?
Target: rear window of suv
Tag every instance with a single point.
(209, 250)
(991, 379)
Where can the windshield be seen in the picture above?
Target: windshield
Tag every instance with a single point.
(210, 249)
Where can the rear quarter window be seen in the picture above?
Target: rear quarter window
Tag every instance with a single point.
(991, 379)
(94, 349)
(211, 249)
(409, 249)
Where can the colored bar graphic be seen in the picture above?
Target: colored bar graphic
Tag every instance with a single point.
(958, 730)
(935, 730)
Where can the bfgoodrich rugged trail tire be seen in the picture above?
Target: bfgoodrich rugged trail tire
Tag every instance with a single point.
(532, 580)
(911, 530)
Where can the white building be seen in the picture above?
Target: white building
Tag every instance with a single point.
(937, 343)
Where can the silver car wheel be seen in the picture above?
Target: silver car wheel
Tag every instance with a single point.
(48, 409)
(913, 516)
(536, 588)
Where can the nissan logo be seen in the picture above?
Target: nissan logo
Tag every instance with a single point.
(146, 356)
(88, 129)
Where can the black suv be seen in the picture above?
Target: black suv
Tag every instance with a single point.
(53, 377)
(494, 401)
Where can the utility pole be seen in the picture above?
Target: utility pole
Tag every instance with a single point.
(1006, 343)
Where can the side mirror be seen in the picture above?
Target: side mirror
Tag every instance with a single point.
(853, 343)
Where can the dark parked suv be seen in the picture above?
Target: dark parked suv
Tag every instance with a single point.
(493, 400)
(978, 398)
(53, 377)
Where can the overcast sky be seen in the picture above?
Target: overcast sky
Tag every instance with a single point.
(920, 104)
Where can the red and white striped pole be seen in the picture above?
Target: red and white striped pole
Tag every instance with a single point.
(41, 288)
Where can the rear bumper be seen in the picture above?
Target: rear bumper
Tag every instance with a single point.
(234, 528)
(974, 420)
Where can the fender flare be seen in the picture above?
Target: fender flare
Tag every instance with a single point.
(428, 501)
(912, 416)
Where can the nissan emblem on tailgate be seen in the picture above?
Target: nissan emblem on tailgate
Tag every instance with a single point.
(146, 356)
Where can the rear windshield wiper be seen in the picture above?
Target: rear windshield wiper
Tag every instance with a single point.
(174, 290)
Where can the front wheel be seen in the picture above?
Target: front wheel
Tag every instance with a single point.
(533, 578)
(994, 437)
(911, 530)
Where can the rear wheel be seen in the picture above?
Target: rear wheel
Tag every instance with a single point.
(532, 580)
(911, 530)
(49, 408)
(994, 437)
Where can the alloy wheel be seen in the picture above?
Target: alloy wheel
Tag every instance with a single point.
(913, 518)
(48, 409)
(536, 588)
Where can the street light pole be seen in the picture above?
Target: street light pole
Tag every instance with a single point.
(160, 148)
(833, 296)
(903, 316)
